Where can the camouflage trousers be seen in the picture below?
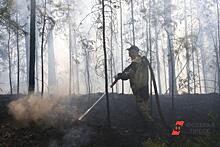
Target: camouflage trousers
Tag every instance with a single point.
(141, 97)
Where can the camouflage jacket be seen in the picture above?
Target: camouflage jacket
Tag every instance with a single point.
(137, 73)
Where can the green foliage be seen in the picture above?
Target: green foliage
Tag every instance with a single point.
(155, 143)
(184, 141)
(212, 117)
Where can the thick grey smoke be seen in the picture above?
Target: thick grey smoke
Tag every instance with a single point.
(50, 110)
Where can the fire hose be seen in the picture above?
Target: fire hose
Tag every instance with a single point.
(156, 94)
(88, 110)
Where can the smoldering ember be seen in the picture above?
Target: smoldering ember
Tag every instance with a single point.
(109, 73)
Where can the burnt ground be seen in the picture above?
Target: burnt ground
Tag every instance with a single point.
(128, 129)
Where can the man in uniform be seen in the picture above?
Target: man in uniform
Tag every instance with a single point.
(137, 73)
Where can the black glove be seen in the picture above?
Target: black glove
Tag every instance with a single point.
(118, 76)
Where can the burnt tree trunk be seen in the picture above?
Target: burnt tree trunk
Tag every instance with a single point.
(105, 64)
(32, 49)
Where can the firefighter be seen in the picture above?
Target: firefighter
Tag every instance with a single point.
(137, 73)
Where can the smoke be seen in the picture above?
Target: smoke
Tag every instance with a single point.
(74, 137)
(50, 110)
(56, 111)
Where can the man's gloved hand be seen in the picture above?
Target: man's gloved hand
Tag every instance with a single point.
(118, 76)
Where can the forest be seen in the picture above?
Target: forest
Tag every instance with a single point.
(58, 59)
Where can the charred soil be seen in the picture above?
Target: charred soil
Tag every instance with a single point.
(128, 128)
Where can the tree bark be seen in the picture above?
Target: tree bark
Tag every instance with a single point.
(171, 60)
(27, 40)
(186, 43)
(32, 49)
(218, 55)
(77, 64)
(111, 47)
(217, 61)
(122, 49)
(193, 50)
(51, 62)
(87, 71)
(164, 68)
(203, 62)
(51, 59)
(9, 58)
(42, 49)
(27, 48)
(37, 61)
(132, 19)
(156, 48)
(105, 64)
(150, 50)
(70, 51)
(198, 71)
(18, 55)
